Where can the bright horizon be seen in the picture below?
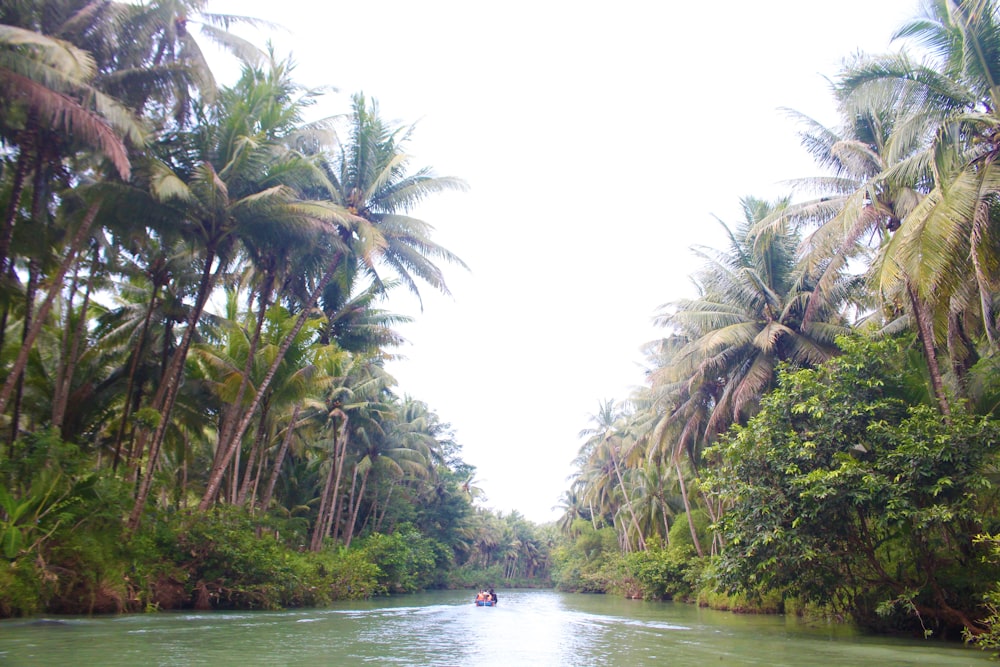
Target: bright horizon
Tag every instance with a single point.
(600, 142)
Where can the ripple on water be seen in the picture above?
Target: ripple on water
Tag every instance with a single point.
(530, 628)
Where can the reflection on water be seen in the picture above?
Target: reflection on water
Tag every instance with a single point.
(446, 628)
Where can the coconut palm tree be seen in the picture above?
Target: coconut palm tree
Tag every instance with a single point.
(372, 180)
(609, 442)
(237, 187)
(748, 317)
(942, 262)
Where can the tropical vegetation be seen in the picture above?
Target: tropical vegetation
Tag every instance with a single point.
(195, 409)
(818, 429)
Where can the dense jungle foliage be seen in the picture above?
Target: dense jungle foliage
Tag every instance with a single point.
(195, 407)
(193, 336)
(818, 432)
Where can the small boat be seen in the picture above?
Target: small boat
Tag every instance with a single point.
(484, 603)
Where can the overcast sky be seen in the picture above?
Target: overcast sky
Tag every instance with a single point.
(600, 141)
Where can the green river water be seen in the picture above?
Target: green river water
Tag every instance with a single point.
(446, 628)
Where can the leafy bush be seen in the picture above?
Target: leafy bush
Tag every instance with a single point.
(590, 564)
(407, 561)
(989, 636)
(21, 589)
(344, 574)
(664, 573)
(680, 531)
(841, 492)
(234, 564)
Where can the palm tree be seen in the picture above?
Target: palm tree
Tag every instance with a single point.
(399, 446)
(942, 261)
(749, 316)
(160, 69)
(372, 180)
(234, 188)
(607, 440)
(51, 115)
(752, 313)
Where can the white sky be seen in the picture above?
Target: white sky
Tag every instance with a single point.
(599, 139)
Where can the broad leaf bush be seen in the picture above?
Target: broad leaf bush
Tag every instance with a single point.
(842, 492)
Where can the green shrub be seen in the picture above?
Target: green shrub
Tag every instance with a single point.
(407, 561)
(660, 574)
(20, 589)
(680, 531)
(235, 564)
(345, 575)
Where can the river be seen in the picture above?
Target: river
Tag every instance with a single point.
(535, 628)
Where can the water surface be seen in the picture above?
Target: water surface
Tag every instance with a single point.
(446, 628)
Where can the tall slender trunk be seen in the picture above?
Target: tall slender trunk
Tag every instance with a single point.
(28, 140)
(65, 381)
(328, 503)
(385, 509)
(31, 290)
(35, 272)
(279, 459)
(171, 383)
(133, 370)
(325, 505)
(228, 446)
(255, 486)
(357, 506)
(233, 479)
(687, 509)
(62, 354)
(255, 452)
(925, 332)
(43, 310)
(664, 508)
(335, 496)
(215, 476)
(347, 507)
(628, 502)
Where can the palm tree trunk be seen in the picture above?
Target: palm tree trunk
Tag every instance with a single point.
(335, 498)
(252, 500)
(28, 140)
(171, 383)
(255, 451)
(925, 332)
(227, 441)
(133, 371)
(56, 286)
(628, 502)
(385, 509)
(354, 514)
(31, 290)
(328, 505)
(325, 507)
(687, 509)
(64, 383)
(349, 505)
(62, 354)
(664, 507)
(215, 476)
(279, 459)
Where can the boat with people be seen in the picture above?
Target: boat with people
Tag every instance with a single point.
(486, 598)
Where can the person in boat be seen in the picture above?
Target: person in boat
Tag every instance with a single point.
(481, 597)
(493, 595)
